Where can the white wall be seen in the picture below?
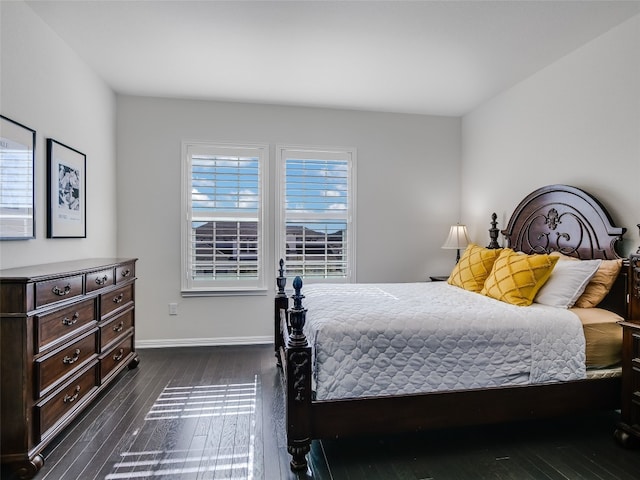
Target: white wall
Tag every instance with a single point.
(45, 86)
(408, 195)
(575, 122)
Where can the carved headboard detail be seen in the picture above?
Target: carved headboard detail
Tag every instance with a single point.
(564, 219)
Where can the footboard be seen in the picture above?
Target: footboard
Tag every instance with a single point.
(294, 356)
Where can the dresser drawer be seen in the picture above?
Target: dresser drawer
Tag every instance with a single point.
(115, 328)
(634, 416)
(634, 413)
(97, 280)
(56, 327)
(635, 344)
(64, 288)
(635, 377)
(125, 272)
(68, 398)
(115, 357)
(116, 299)
(57, 366)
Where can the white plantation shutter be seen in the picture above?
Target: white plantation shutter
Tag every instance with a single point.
(223, 239)
(17, 144)
(316, 213)
(16, 193)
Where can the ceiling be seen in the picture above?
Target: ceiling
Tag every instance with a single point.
(429, 57)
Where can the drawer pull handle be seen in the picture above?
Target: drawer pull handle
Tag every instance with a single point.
(119, 327)
(63, 292)
(72, 398)
(118, 356)
(119, 298)
(69, 322)
(72, 359)
(102, 280)
(126, 273)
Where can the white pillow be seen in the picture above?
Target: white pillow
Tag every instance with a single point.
(567, 282)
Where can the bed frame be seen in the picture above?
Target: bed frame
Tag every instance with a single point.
(553, 218)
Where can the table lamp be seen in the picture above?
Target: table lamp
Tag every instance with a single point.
(457, 239)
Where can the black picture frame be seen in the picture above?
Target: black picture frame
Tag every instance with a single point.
(66, 191)
(17, 180)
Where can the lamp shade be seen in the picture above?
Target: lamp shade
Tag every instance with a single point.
(458, 237)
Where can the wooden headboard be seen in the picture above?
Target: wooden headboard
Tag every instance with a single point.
(563, 219)
(570, 221)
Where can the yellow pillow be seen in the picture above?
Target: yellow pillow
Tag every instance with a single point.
(473, 268)
(600, 284)
(516, 277)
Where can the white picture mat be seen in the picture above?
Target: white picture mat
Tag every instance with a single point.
(67, 189)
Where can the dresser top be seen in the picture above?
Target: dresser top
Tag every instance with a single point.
(34, 273)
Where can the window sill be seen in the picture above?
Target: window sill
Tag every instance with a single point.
(225, 293)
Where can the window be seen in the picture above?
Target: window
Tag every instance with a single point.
(317, 206)
(224, 192)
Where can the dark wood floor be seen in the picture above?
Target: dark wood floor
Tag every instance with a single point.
(217, 413)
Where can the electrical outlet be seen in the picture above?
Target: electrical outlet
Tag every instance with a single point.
(173, 309)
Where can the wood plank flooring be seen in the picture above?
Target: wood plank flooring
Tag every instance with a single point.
(217, 413)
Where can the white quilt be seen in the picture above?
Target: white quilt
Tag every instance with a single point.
(388, 339)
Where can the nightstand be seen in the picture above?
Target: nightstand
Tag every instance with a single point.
(628, 432)
(439, 278)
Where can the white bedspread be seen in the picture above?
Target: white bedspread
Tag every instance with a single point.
(387, 339)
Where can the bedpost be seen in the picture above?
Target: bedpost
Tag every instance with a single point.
(298, 373)
(281, 302)
(634, 286)
(633, 292)
(494, 232)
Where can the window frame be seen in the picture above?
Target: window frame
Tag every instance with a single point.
(317, 152)
(255, 286)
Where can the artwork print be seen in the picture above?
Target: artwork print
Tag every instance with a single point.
(68, 191)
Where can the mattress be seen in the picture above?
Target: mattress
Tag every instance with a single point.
(390, 339)
(603, 337)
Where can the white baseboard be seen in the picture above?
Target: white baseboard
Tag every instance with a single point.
(203, 342)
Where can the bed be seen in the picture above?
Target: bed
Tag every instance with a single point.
(527, 362)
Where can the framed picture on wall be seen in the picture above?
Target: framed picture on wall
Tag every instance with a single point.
(17, 198)
(66, 191)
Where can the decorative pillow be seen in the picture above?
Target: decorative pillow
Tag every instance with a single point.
(600, 284)
(566, 283)
(473, 268)
(516, 278)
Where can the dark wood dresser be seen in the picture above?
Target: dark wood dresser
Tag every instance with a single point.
(628, 432)
(67, 330)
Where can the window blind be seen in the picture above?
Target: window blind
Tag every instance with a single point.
(317, 214)
(16, 192)
(225, 203)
